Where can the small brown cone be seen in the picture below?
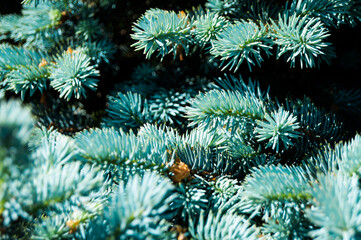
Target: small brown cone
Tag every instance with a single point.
(179, 171)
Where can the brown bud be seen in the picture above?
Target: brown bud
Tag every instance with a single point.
(181, 232)
(73, 225)
(70, 50)
(43, 63)
(179, 171)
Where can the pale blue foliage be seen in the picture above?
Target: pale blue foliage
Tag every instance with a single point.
(302, 40)
(107, 145)
(222, 104)
(288, 223)
(192, 199)
(28, 79)
(43, 174)
(337, 207)
(240, 149)
(350, 156)
(239, 42)
(224, 188)
(139, 208)
(208, 27)
(20, 71)
(222, 226)
(58, 183)
(51, 227)
(127, 111)
(16, 126)
(204, 138)
(51, 148)
(278, 127)
(168, 106)
(73, 75)
(99, 51)
(224, 7)
(111, 146)
(16, 121)
(37, 27)
(71, 219)
(162, 134)
(161, 31)
(236, 83)
(272, 187)
(344, 157)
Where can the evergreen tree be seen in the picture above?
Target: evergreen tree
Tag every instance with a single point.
(174, 121)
